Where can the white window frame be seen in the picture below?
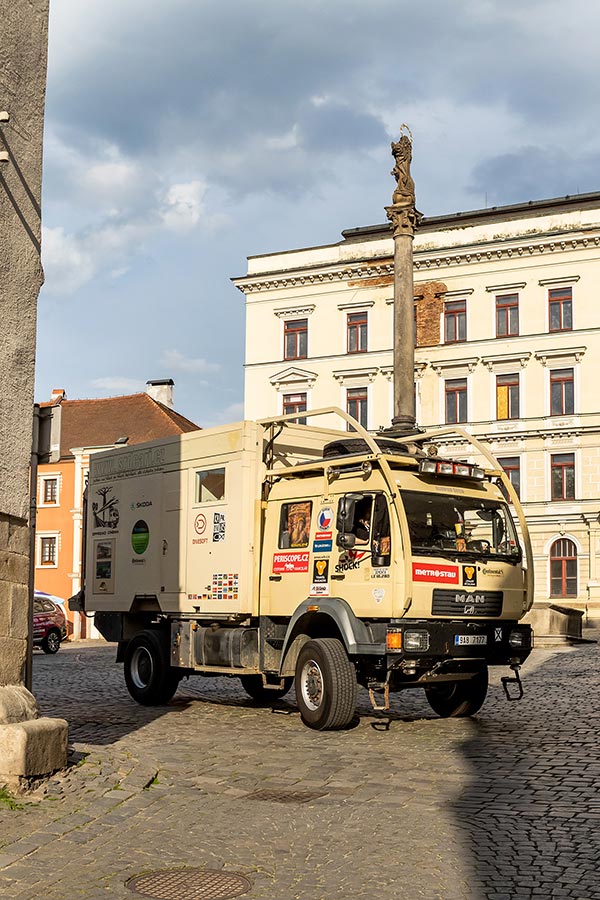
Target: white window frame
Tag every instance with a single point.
(42, 479)
(44, 535)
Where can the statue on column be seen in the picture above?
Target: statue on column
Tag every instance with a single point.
(402, 213)
(402, 152)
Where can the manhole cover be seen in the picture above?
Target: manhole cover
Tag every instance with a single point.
(283, 796)
(189, 884)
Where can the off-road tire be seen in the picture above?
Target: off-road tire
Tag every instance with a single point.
(150, 679)
(51, 642)
(460, 698)
(325, 685)
(254, 687)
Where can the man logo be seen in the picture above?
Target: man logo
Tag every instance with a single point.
(321, 565)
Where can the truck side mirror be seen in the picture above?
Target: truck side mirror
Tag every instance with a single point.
(346, 512)
(345, 540)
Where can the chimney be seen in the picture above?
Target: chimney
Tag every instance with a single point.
(57, 395)
(161, 389)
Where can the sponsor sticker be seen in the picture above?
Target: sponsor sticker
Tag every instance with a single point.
(322, 546)
(323, 535)
(378, 594)
(469, 576)
(380, 572)
(200, 524)
(443, 574)
(218, 527)
(325, 519)
(320, 578)
(290, 562)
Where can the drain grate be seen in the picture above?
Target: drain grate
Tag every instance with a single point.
(189, 884)
(283, 796)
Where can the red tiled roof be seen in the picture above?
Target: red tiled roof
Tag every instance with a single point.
(95, 423)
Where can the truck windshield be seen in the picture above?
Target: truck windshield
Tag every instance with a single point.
(447, 525)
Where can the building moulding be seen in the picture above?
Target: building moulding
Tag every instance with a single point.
(564, 354)
(295, 312)
(345, 376)
(516, 248)
(293, 378)
(450, 366)
(501, 360)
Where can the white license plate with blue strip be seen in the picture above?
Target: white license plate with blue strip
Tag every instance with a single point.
(470, 639)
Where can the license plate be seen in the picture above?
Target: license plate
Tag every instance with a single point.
(470, 639)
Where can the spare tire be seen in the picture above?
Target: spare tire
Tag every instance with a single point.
(351, 446)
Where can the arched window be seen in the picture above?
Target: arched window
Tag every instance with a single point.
(563, 568)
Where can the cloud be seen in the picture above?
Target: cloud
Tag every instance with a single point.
(183, 205)
(232, 413)
(176, 361)
(117, 384)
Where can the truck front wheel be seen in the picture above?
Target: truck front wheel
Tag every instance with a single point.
(458, 698)
(150, 679)
(325, 685)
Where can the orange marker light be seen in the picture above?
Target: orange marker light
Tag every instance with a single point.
(394, 640)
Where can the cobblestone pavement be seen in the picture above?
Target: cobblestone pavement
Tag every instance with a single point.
(501, 806)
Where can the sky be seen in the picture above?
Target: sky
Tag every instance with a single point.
(183, 136)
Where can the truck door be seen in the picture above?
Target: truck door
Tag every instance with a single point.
(363, 553)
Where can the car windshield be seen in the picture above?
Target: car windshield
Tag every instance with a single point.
(446, 525)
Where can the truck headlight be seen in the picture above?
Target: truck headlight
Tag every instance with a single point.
(515, 639)
(416, 640)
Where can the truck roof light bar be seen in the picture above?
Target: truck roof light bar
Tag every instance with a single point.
(449, 467)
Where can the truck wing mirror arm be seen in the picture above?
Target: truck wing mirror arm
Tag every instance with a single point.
(345, 540)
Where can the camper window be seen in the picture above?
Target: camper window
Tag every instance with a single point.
(210, 485)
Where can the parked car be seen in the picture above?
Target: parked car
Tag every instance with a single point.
(49, 623)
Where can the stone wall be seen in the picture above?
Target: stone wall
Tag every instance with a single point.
(22, 96)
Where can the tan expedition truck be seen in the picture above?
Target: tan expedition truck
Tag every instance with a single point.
(275, 551)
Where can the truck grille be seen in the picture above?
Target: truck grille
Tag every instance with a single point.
(466, 603)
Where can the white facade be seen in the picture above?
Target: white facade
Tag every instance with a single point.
(508, 340)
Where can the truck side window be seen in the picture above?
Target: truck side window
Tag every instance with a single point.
(210, 485)
(294, 525)
(381, 536)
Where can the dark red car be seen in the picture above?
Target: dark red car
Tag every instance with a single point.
(49, 623)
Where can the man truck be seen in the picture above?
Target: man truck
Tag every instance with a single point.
(277, 552)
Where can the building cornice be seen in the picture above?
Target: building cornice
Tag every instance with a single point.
(366, 268)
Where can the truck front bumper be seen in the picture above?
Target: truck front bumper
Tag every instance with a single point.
(423, 642)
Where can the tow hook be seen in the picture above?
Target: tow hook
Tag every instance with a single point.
(380, 687)
(508, 679)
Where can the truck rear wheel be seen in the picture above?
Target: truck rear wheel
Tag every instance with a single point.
(150, 679)
(254, 687)
(459, 698)
(325, 685)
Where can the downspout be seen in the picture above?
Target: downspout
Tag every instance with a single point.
(33, 471)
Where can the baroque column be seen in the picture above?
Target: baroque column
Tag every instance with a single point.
(404, 218)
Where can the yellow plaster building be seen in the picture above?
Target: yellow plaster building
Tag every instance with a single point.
(507, 335)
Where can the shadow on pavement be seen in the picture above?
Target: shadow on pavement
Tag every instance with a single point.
(530, 815)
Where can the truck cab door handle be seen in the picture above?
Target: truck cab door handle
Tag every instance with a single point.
(274, 577)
